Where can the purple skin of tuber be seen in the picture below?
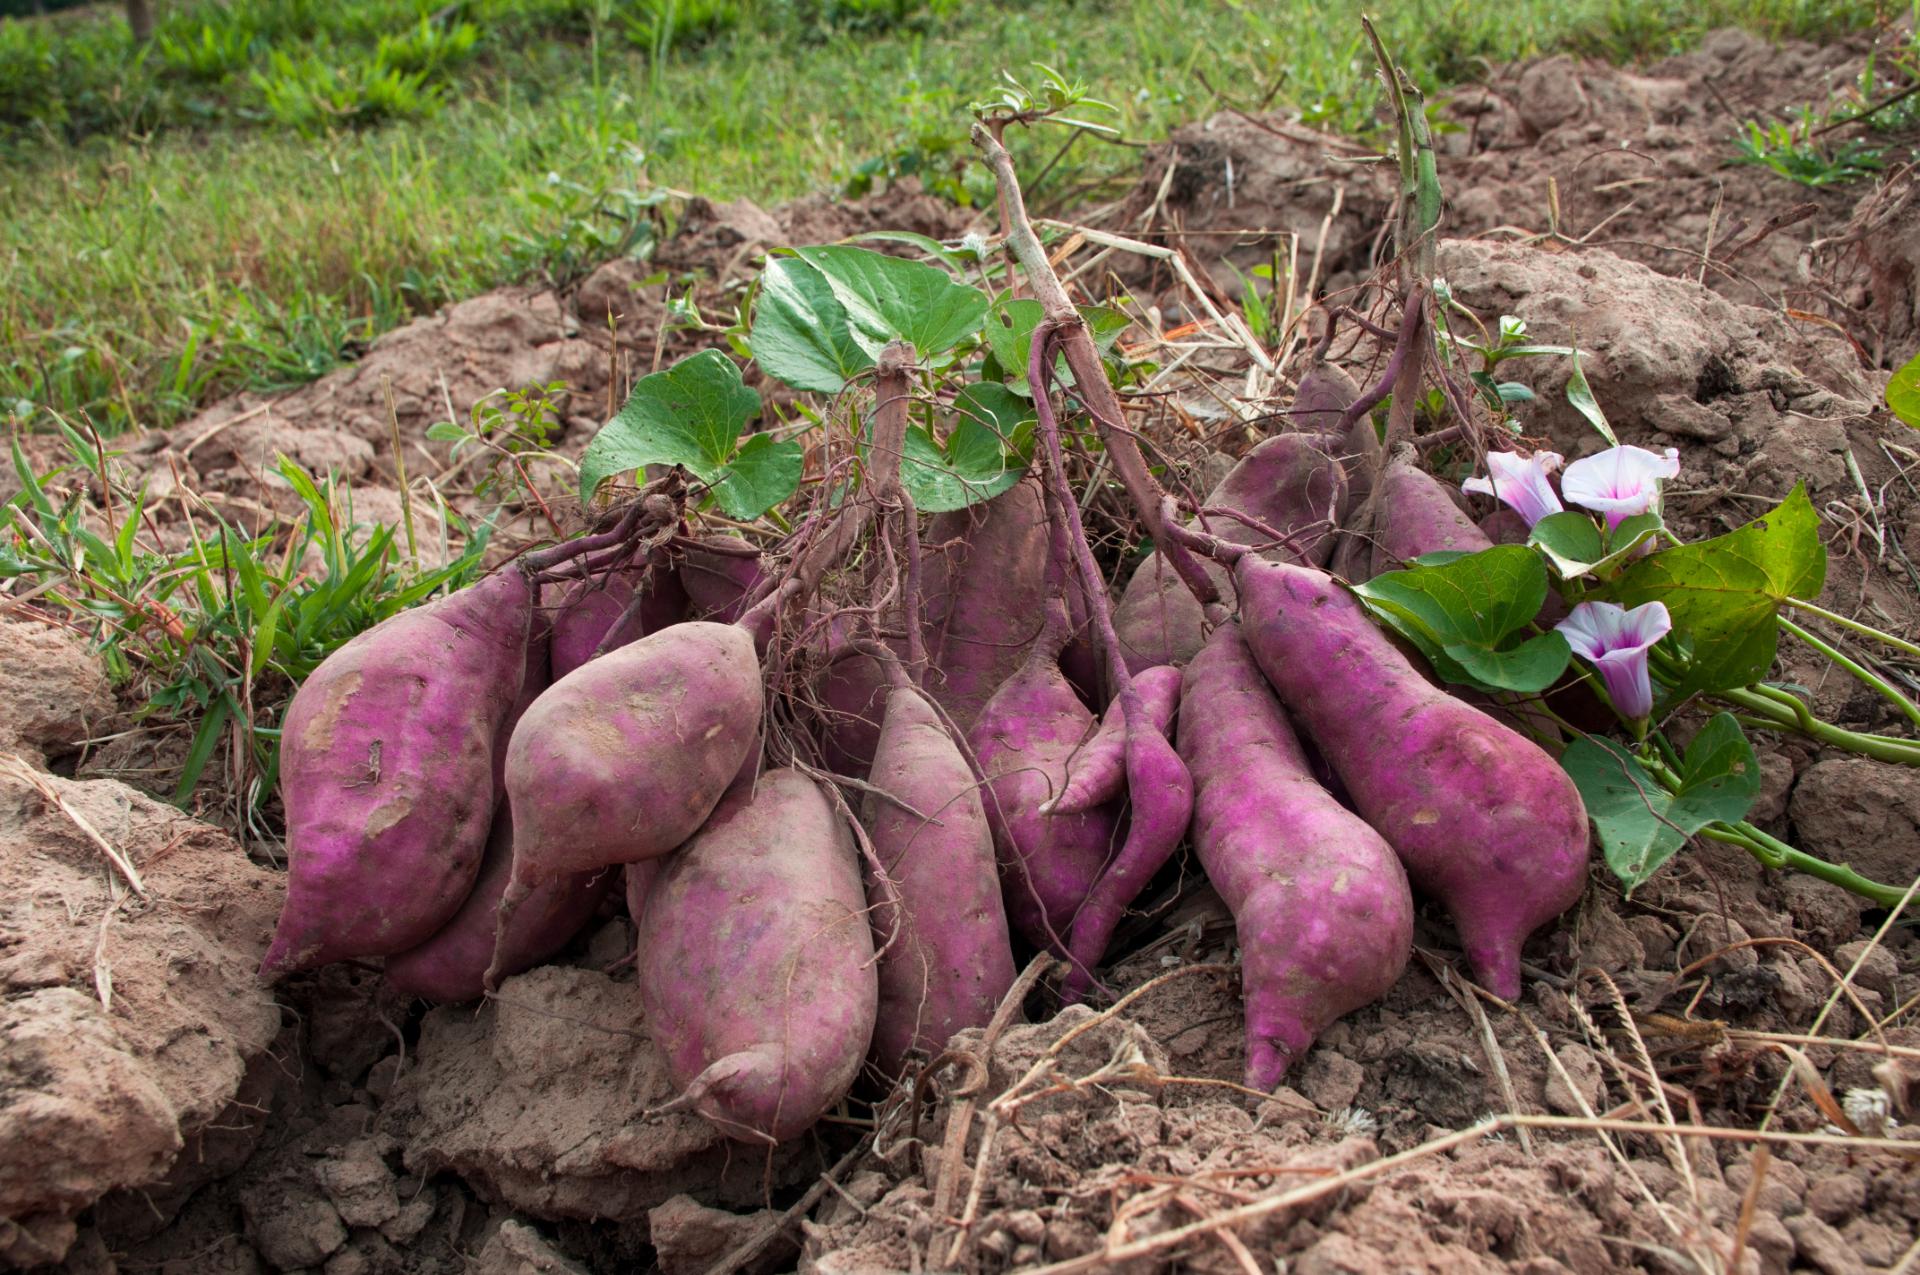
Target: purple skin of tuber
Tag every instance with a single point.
(718, 584)
(1321, 905)
(451, 966)
(758, 978)
(951, 961)
(584, 613)
(984, 596)
(1481, 817)
(1289, 482)
(1097, 772)
(1416, 515)
(1022, 740)
(386, 770)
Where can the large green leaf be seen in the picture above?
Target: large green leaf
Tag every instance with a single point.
(691, 414)
(890, 298)
(1903, 393)
(1467, 614)
(1639, 822)
(983, 455)
(801, 333)
(1577, 545)
(1724, 594)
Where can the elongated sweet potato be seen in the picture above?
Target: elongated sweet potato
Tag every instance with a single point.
(758, 979)
(1290, 483)
(386, 770)
(1097, 771)
(452, 965)
(1324, 915)
(951, 960)
(1484, 820)
(1022, 741)
(1416, 515)
(985, 594)
(624, 758)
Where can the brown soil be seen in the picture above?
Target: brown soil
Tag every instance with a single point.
(160, 1112)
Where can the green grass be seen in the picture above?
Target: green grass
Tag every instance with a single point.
(235, 206)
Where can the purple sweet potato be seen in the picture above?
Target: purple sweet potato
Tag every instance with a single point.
(985, 593)
(624, 758)
(1323, 397)
(386, 770)
(758, 979)
(1097, 771)
(584, 612)
(1484, 820)
(451, 966)
(718, 583)
(950, 961)
(1416, 515)
(1290, 483)
(1022, 741)
(1324, 915)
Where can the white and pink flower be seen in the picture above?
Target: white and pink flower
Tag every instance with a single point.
(1616, 641)
(1521, 483)
(1620, 482)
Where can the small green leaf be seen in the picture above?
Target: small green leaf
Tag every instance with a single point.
(1010, 325)
(1724, 594)
(1576, 545)
(1640, 823)
(1903, 393)
(691, 414)
(1580, 394)
(890, 298)
(1465, 614)
(445, 432)
(761, 475)
(801, 334)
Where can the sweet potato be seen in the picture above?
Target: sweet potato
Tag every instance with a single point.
(451, 966)
(1324, 915)
(758, 979)
(717, 582)
(1416, 515)
(1484, 820)
(584, 612)
(951, 960)
(1097, 771)
(624, 758)
(1290, 483)
(1322, 398)
(985, 593)
(1022, 740)
(386, 770)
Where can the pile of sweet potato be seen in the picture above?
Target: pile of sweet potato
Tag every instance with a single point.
(839, 836)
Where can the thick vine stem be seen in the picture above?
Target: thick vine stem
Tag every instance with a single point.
(1775, 853)
(658, 505)
(1089, 375)
(844, 527)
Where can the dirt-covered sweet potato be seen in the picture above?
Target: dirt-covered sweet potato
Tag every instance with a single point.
(1321, 905)
(1484, 820)
(985, 572)
(757, 977)
(386, 771)
(1289, 483)
(623, 758)
(451, 966)
(1022, 741)
(950, 961)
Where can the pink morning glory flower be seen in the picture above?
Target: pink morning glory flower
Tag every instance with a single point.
(1615, 641)
(1620, 482)
(1520, 481)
